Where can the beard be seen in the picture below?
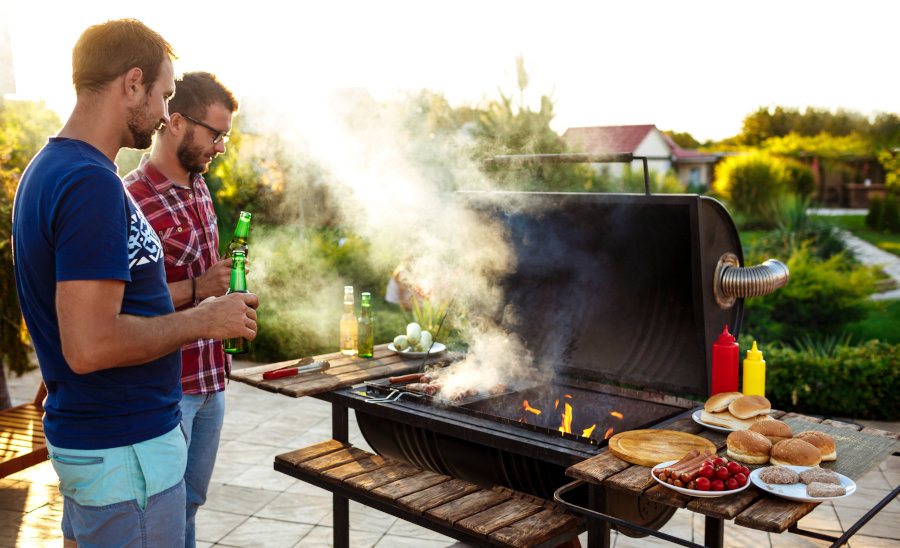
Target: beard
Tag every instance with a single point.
(191, 157)
(139, 126)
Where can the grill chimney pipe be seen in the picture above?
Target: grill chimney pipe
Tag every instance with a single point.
(733, 281)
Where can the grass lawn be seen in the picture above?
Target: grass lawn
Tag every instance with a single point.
(857, 225)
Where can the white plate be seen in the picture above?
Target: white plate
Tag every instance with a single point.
(694, 492)
(696, 416)
(436, 349)
(797, 491)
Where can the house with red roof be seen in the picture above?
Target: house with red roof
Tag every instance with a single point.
(693, 168)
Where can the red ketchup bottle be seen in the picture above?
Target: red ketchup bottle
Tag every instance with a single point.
(725, 359)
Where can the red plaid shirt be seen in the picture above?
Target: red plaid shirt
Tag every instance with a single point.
(185, 221)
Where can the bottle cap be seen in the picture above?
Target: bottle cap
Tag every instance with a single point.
(754, 353)
(726, 337)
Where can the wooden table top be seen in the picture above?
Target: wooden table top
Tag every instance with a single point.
(344, 371)
(751, 507)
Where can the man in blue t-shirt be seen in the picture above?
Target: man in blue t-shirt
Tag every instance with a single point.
(91, 283)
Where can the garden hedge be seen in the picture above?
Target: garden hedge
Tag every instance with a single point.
(856, 382)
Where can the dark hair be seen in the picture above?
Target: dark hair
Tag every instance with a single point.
(196, 91)
(108, 50)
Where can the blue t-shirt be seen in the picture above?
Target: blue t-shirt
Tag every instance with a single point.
(73, 220)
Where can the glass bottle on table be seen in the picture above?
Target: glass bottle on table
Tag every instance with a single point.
(348, 324)
(366, 327)
(238, 284)
(239, 240)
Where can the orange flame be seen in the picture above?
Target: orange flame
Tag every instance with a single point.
(586, 433)
(566, 425)
(556, 404)
(608, 433)
(530, 409)
(616, 414)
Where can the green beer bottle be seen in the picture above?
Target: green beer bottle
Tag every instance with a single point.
(239, 240)
(238, 285)
(366, 331)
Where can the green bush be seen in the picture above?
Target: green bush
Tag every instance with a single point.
(884, 214)
(799, 178)
(751, 183)
(299, 276)
(860, 382)
(875, 214)
(822, 296)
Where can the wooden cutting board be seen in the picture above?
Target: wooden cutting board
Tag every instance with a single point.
(651, 447)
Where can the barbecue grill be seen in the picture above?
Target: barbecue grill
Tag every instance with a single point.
(618, 298)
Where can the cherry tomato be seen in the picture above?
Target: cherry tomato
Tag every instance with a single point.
(707, 471)
(741, 479)
(745, 471)
(732, 484)
(722, 473)
(718, 485)
(733, 467)
(719, 461)
(703, 484)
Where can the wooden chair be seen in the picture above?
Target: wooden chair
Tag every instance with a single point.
(22, 441)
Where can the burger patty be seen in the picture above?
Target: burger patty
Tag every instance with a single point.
(819, 489)
(819, 475)
(780, 475)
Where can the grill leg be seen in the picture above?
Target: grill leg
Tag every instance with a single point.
(339, 423)
(599, 531)
(340, 505)
(341, 522)
(714, 532)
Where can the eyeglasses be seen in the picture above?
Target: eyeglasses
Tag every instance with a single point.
(220, 135)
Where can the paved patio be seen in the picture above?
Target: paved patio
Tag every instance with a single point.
(252, 505)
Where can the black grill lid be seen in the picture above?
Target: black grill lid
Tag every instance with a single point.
(617, 287)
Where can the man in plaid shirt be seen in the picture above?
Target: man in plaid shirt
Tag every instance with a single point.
(170, 190)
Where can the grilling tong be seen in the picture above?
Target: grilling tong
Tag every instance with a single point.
(299, 367)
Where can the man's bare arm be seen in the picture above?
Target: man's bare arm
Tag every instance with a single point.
(95, 335)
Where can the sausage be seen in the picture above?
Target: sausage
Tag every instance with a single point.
(426, 378)
(693, 470)
(676, 466)
(412, 377)
(686, 465)
(691, 474)
(422, 387)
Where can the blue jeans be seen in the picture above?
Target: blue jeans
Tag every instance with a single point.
(202, 416)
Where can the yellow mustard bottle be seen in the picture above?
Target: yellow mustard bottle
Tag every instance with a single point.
(754, 373)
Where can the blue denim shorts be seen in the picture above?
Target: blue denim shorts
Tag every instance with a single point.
(124, 496)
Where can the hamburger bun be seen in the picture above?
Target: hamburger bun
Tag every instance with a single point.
(720, 401)
(774, 430)
(795, 452)
(823, 442)
(749, 447)
(749, 406)
(727, 420)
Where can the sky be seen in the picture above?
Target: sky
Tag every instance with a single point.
(691, 66)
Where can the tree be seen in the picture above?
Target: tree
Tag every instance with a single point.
(505, 127)
(683, 139)
(24, 128)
